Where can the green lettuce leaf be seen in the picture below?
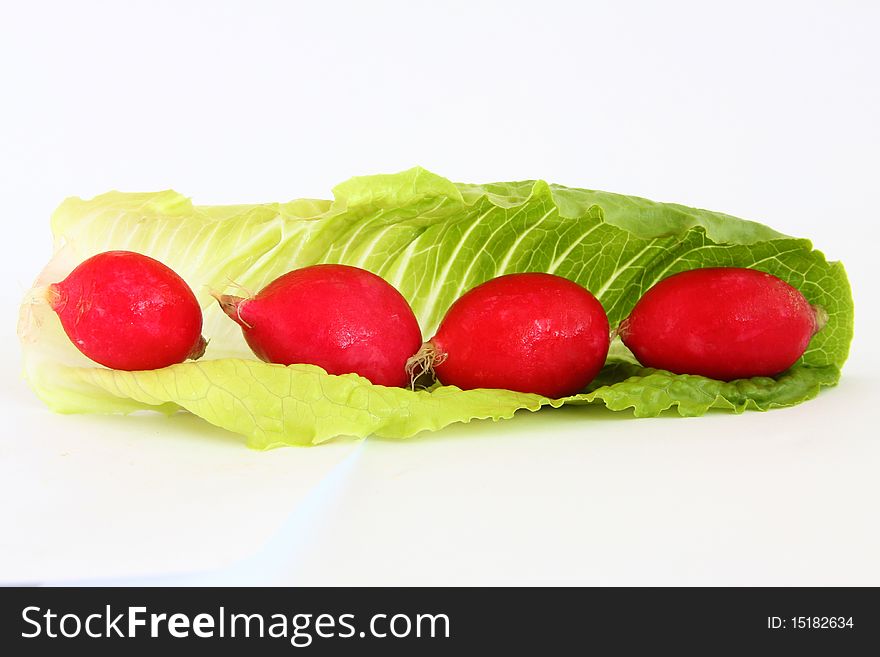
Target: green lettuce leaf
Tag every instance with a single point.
(434, 240)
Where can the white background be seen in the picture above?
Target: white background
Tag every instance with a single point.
(764, 110)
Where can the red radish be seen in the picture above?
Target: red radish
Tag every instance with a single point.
(724, 323)
(128, 311)
(343, 319)
(528, 332)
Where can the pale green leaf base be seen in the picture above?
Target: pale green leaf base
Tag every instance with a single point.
(274, 405)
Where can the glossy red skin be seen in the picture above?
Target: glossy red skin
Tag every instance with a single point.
(724, 323)
(527, 332)
(343, 319)
(128, 311)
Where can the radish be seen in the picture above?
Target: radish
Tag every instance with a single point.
(724, 323)
(128, 311)
(341, 318)
(529, 332)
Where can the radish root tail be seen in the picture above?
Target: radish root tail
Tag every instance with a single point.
(620, 331)
(231, 305)
(199, 350)
(423, 362)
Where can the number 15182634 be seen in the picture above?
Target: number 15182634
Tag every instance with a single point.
(810, 623)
